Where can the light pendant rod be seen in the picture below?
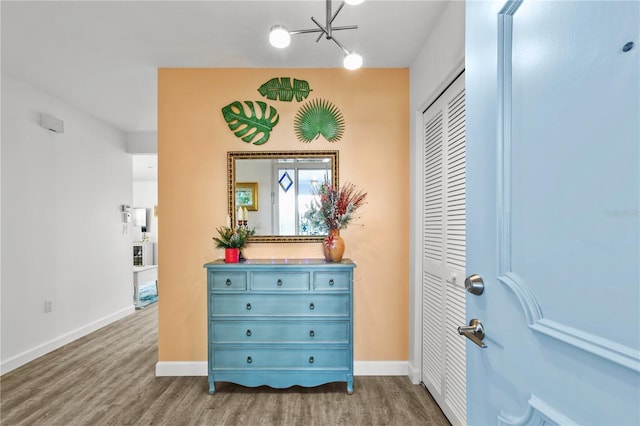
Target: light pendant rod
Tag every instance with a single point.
(313, 30)
(328, 14)
(329, 30)
(344, 49)
(322, 30)
(329, 22)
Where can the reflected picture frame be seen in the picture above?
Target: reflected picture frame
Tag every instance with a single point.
(246, 195)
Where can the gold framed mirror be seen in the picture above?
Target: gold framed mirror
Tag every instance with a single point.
(283, 181)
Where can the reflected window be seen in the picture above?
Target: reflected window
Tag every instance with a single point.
(297, 179)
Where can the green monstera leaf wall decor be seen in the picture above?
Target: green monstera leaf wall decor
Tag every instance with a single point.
(281, 89)
(250, 127)
(319, 117)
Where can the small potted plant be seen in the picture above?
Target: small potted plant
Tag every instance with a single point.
(232, 240)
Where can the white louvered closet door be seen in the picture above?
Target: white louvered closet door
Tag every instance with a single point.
(443, 263)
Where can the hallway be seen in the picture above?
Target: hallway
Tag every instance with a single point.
(108, 378)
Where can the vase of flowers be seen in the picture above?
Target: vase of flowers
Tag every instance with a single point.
(232, 240)
(333, 209)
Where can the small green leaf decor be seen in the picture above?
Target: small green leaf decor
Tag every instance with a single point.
(249, 127)
(319, 117)
(280, 89)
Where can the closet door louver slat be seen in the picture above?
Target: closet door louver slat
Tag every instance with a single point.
(432, 221)
(432, 349)
(456, 223)
(455, 388)
(455, 393)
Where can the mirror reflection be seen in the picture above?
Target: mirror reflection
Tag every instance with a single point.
(272, 191)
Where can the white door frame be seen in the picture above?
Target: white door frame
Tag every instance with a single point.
(415, 227)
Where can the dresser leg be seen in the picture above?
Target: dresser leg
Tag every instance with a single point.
(350, 384)
(212, 386)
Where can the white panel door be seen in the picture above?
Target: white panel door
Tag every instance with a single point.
(553, 194)
(443, 298)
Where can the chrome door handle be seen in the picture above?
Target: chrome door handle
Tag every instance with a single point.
(474, 332)
(474, 284)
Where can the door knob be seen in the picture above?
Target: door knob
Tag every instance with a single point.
(474, 332)
(474, 284)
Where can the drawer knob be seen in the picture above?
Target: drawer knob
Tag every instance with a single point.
(228, 281)
(248, 333)
(312, 333)
(312, 306)
(331, 281)
(279, 282)
(248, 306)
(311, 360)
(249, 360)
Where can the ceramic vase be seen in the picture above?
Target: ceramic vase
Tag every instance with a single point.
(231, 255)
(333, 246)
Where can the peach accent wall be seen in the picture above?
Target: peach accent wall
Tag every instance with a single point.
(193, 140)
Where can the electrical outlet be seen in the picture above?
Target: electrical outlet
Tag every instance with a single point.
(48, 306)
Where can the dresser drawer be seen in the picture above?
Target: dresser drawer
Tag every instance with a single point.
(261, 331)
(279, 305)
(228, 280)
(331, 281)
(287, 358)
(280, 280)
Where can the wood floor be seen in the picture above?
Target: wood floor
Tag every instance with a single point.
(108, 378)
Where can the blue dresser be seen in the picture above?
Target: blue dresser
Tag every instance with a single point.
(280, 322)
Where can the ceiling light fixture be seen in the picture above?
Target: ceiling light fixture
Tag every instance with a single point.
(280, 36)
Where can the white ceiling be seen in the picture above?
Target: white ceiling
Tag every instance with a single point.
(102, 56)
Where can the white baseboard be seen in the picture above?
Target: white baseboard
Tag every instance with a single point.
(43, 349)
(360, 368)
(380, 368)
(181, 368)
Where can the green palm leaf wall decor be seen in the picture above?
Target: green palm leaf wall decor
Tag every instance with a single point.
(319, 117)
(247, 125)
(281, 89)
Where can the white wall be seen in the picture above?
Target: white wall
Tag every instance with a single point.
(439, 62)
(62, 234)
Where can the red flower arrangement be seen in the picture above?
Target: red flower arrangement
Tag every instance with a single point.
(336, 205)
